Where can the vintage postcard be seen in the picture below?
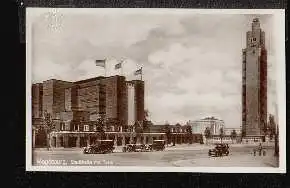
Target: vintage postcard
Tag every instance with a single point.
(155, 90)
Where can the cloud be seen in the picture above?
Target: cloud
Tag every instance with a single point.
(49, 70)
(191, 63)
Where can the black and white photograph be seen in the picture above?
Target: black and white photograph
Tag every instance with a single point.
(147, 90)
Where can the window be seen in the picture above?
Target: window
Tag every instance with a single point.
(86, 127)
(254, 39)
(62, 126)
(95, 127)
(76, 127)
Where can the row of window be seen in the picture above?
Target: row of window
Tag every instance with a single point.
(177, 130)
(87, 128)
(218, 138)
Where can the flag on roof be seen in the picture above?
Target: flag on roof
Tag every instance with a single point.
(101, 63)
(118, 65)
(139, 71)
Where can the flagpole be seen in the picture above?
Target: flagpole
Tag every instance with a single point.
(122, 68)
(141, 73)
(105, 67)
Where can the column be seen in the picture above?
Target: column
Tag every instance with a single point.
(50, 141)
(115, 140)
(33, 138)
(78, 141)
(88, 140)
(57, 141)
(107, 136)
(150, 139)
(123, 140)
(65, 141)
(131, 138)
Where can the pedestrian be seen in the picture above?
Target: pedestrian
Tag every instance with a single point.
(260, 148)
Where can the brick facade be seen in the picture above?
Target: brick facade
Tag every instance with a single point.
(254, 85)
(87, 100)
(37, 91)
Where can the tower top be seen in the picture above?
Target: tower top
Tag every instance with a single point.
(256, 20)
(256, 24)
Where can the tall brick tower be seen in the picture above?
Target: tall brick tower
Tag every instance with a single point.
(254, 86)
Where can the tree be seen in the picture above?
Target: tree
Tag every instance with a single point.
(48, 126)
(276, 152)
(207, 134)
(243, 133)
(189, 133)
(138, 131)
(168, 133)
(272, 126)
(177, 128)
(146, 122)
(146, 114)
(233, 135)
(221, 134)
(100, 128)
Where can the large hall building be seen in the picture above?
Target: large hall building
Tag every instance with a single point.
(77, 106)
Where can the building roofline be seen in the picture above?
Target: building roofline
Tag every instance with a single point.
(89, 79)
(56, 80)
(95, 79)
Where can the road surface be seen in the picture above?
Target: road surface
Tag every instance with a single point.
(179, 156)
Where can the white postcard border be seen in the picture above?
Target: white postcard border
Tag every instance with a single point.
(281, 95)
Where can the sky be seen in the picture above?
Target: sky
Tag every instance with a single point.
(192, 63)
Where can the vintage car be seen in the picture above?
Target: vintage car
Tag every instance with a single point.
(158, 145)
(148, 147)
(219, 150)
(137, 148)
(129, 148)
(102, 146)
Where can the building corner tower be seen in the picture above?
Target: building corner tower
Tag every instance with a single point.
(254, 84)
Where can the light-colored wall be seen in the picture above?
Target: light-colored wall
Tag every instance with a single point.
(131, 104)
(199, 126)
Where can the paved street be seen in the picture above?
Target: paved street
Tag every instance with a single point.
(181, 155)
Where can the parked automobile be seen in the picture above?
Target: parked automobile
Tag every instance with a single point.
(219, 150)
(139, 147)
(148, 147)
(158, 145)
(102, 146)
(129, 148)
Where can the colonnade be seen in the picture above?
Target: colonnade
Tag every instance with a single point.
(76, 139)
